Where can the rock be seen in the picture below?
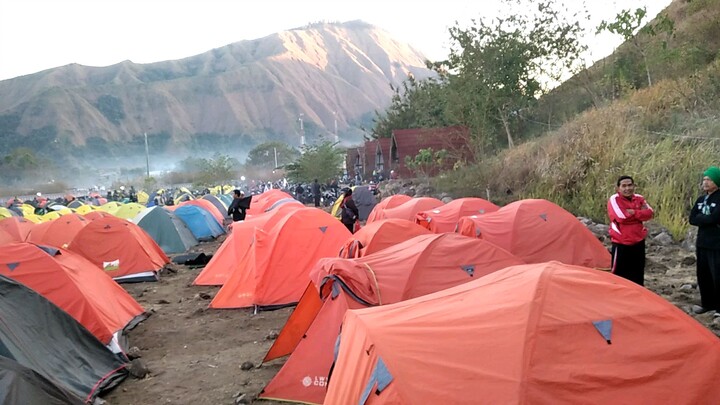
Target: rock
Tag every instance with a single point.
(688, 261)
(663, 239)
(689, 242)
(134, 353)
(599, 229)
(716, 322)
(272, 335)
(205, 295)
(138, 369)
(248, 365)
(162, 302)
(585, 221)
(686, 287)
(244, 399)
(446, 200)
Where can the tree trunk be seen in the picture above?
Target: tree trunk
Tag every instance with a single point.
(504, 119)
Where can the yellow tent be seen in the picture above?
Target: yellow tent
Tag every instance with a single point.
(6, 213)
(64, 211)
(110, 207)
(36, 219)
(51, 216)
(27, 209)
(84, 209)
(128, 211)
(142, 197)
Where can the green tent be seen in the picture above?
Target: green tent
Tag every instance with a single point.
(166, 229)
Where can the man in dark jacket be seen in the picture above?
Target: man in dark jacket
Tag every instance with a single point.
(349, 211)
(316, 192)
(705, 214)
(238, 206)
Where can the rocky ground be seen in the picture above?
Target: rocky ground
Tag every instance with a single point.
(198, 356)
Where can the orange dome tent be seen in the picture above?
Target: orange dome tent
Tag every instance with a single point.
(261, 202)
(227, 258)
(17, 227)
(387, 203)
(274, 271)
(409, 209)
(121, 248)
(419, 266)
(97, 214)
(445, 218)
(379, 235)
(75, 285)
(538, 231)
(58, 233)
(545, 333)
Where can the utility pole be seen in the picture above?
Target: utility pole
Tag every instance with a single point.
(275, 150)
(147, 158)
(302, 131)
(337, 139)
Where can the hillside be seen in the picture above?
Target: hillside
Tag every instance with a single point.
(233, 96)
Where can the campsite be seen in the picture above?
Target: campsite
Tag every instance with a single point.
(192, 309)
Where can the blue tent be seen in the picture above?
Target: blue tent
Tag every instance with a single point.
(201, 223)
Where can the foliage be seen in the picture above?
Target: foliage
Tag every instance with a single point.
(264, 155)
(417, 104)
(20, 165)
(218, 170)
(321, 161)
(111, 108)
(426, 161)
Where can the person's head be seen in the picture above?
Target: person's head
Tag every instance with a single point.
(238, 193)
(348, 192)
(316, 180)
(626, 186)
(711, 179)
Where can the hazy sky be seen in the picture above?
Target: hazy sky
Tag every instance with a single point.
(42, 34)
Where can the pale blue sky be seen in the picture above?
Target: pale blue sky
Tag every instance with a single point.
(42, 34)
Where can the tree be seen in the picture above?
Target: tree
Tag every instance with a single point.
(628, 24)
(321, 161)
(416, 104)
(497, 68)
(426, 161)
(263, 156)
(218, 170)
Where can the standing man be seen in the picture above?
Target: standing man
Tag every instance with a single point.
(627, 212)
(705, 214)
(316, 192)
(237, 208)
(348, 211)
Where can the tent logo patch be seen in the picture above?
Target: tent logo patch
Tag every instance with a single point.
(111, 266)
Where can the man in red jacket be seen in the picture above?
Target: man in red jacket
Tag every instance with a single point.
(627, 212)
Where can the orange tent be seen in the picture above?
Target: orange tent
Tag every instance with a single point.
(227, 258)
(261, 202)
(75, 285)
(274, 271)
(538, 231)
(533, 334)
(207, 206)
(387, 203)
(17, 227)
(445, 218)
(97, 214)
(121, 248)
(59, 232)
(5, 237)
(379, 235)
(419, 266)
(409, 209)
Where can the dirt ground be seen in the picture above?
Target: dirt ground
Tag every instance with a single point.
(195, 355)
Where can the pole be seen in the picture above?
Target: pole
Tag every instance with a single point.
(147, 157)
(337, 139)
(275, 150)
(302, 131)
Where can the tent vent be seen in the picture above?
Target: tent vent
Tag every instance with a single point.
(605, 329)
(107, 227)
(323, 229)
(544, 217)
(380, 379)
(49, 250)
(12, 266)
(481, 211)
(469, 269)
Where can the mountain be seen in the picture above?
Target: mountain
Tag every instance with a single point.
(239, 95)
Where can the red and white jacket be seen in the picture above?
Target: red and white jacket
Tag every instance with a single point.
(626, 229)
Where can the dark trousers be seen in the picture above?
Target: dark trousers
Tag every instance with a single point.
(628, 261)
(317, 200)
(350, 227)
(708, 276)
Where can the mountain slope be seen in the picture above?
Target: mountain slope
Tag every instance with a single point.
(254, 89)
